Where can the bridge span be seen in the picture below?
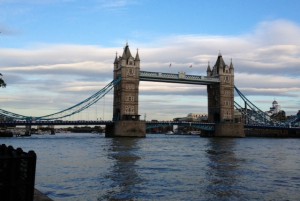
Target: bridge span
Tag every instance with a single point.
(181, 78)
(226, 117)
(149, 124)
(54, 123)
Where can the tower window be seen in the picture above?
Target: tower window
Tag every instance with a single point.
(130, 86)
(130, 72)
(129, 109)
(129, 98)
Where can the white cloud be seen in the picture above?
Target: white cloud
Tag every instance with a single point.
(276, 32)
(266, 63)
(116, 4)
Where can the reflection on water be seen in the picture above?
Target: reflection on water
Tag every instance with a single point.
(77, 167)
(123, 174)
(222, 172)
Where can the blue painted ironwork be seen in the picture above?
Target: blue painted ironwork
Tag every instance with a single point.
(79, 107)
(181, 77)
(149, 124)
(256, 117)
(53, 123)
(200, 125)
(293, 120)
(254, 114)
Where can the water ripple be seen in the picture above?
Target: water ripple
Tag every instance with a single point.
(80, 167)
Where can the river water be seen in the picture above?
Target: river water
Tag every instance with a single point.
(83, 167)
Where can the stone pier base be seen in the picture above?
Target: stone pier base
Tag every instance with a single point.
(126, 128)
(28, 130)
(229, 130)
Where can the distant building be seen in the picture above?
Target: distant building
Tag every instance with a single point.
(192, 117)
(276, 113)
(238, 116)
(275, 109)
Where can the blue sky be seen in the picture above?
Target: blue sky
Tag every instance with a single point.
(55, 53)
(107, 23)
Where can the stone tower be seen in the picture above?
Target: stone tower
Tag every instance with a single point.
(221, 100)
(221, 96)
(126, 97)
(126, 93)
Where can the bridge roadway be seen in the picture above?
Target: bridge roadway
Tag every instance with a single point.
(53, 123)
(149, 124)
(271, 127)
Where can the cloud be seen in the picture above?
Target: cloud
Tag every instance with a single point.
(266, 65)
(276, 32)
(7, 31)
(116, 4)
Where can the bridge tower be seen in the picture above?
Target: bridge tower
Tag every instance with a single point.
(221, 100)
(126, 97)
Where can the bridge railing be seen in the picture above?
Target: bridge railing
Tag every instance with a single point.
(180, 77)
(200, 125)
(55, 122)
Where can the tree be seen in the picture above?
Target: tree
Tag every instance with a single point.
(2, 83)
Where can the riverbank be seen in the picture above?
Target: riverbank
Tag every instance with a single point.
(273, 133)
(39, 196)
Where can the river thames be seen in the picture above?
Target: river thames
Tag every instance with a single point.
(80, 167)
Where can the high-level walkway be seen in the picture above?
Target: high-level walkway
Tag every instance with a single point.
(181, 78)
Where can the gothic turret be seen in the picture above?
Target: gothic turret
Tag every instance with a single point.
(208, 71)
(126, 53)
(116, 61)
(231, 69)
(127, 58)
(221, 68)
(137, 58)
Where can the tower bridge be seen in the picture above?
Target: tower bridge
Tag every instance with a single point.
(220, 89)
(126, 122)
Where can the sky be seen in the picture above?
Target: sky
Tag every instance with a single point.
(56, 53)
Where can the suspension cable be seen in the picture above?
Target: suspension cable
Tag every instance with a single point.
(77, 108)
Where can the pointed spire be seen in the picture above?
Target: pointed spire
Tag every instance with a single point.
(116, 59)
(126, 52)
(220, 62)
(208, 67)
(231, 65)
(137, 57)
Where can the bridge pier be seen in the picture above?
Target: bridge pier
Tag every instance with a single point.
(228, 129)
(28, 130)
(126, 128)
(52, 130)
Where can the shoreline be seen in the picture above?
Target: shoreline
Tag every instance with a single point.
(39, 196)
